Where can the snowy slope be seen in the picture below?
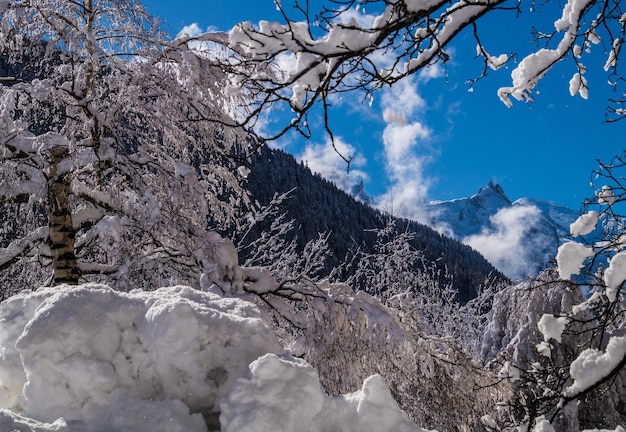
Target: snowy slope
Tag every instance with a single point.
(463, 217)
(519, 238)
(562, 216)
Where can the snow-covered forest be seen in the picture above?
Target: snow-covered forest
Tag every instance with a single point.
(144, 286)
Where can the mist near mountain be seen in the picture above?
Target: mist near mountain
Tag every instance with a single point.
(519, 238)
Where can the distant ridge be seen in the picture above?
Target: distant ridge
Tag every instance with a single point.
(317, 206)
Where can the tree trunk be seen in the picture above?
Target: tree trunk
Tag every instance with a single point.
(62, 233)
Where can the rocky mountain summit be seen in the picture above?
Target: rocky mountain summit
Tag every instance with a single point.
(520, 237)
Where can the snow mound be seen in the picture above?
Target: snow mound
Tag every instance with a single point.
(284, 393)
(91, 359)
(140, 361)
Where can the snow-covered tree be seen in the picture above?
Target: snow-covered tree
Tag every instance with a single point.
(422, 294)
(560, 339)
(322, 50)
(111, 151)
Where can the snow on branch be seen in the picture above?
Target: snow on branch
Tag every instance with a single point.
(20, 247)
(310, 57)
(303, 62)
(534, 66)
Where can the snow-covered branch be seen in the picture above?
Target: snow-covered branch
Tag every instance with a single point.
(321, 51)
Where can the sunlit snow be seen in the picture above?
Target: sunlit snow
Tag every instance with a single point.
(570, 258)
(615, 275)
(552, 327)
(592, 365)
(585, 224)
(90, 359)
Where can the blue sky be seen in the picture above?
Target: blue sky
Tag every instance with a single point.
(461, 139)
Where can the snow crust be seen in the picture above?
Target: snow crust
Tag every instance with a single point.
(91, 359)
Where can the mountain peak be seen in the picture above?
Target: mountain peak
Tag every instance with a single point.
(491, 189)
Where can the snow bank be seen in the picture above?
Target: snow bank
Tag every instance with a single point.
(91, 359)
(283, 393)
(120, 361)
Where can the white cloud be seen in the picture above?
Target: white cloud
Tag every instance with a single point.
(403, 97)
(391, 116)
(431, 72)
(352, 15)
(400, 141)
(506, 243)
(324, 160)
(405, 150)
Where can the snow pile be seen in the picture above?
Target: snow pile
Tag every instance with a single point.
(91, 359)
(300, 404)
(119, 361)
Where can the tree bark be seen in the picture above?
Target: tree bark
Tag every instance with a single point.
(62, 233)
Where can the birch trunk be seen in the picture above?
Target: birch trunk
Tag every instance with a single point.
(62, 233)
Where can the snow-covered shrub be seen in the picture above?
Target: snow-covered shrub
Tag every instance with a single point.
(350, 336)
(424, 296)
(516, 311)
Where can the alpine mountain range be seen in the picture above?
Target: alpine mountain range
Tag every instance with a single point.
(518, 238)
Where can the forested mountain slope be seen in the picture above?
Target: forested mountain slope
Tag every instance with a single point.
(316, 205)
(319, 206)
